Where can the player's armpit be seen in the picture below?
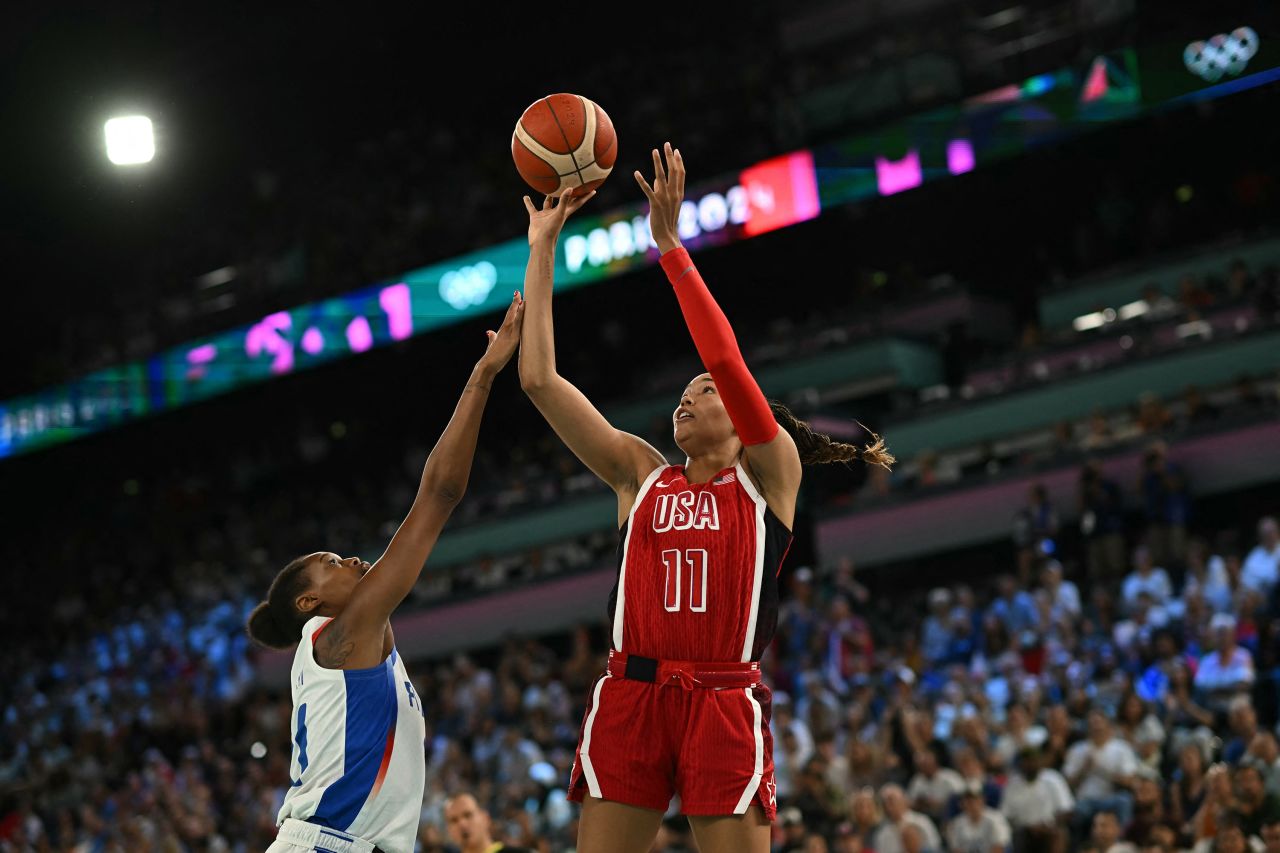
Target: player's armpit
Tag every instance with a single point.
(777, 470)
(334, 646)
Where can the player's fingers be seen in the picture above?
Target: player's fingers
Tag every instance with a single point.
(546, 202)
(644, 186)
(679, 173)
(578, 201)
(528, 205)
(659, 173)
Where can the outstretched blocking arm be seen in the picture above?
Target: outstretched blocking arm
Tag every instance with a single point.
(620, 459)
(444, 480)
(770, 451)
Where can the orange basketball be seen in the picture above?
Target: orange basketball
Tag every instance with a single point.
(564, 143)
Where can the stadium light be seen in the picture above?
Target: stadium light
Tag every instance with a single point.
(130, 140)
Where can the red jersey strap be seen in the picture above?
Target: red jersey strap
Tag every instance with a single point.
(688, 674)
(718, 348)
(315, 635)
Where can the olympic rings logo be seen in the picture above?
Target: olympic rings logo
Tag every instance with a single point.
(1222, 54)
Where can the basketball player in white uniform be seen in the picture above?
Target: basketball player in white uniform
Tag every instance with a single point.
(359, 764)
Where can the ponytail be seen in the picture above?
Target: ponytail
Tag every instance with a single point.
(277, 623)
(817, 448)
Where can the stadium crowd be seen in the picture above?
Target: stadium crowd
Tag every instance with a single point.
(1124, 703)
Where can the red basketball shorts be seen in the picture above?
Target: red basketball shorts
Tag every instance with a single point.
(657, 728)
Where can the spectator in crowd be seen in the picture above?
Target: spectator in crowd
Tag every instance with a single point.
(1187, 794)
(1101, 521)
(1166, 503)
(471, 827)
(898, 819)
(1253, 806)
(1100, 769)
(864, 813)
(1242, 722)
(1271, 837)
(1207, 577)
(1106, 836)
(1147, 578)
(1064, 595)
(978, 828)
(1034, 529)
(1262, 565)
(1038, 804)
(1227, 670)
(1264, 753)
(932, 787)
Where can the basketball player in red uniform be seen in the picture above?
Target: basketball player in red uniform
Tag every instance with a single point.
(681, 708)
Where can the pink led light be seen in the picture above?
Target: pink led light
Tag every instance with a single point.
(202, 354)
(396, 303)
(960, 157)
(312, 341)
(894, 176)
(267, 336)
(359, 336)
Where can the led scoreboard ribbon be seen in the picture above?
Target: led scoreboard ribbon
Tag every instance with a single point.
(773, 194)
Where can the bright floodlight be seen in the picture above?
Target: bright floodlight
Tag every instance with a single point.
(130, 141)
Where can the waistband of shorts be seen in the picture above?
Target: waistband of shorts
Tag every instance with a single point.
(322, 838)
(688, 674)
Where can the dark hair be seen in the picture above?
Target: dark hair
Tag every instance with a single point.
(817, 448)
(277, 623)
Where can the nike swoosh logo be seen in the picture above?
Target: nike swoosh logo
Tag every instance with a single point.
(661, 485)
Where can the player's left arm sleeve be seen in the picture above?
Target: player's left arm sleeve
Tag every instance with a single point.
(718, 348)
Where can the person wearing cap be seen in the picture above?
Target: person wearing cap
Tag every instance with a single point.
(793, 830)
(978, 828)
(1227, 670)
(1038, 804)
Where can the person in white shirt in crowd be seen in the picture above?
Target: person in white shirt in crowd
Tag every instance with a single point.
(1100, 770)
(1065, 594)
(915, 841)
(1145, 577)
(1038, 805)
(1020, 733)
(977, 829)
(1106, 834)
(897, 817)
(1227, 670)
(1262, 566)
(1207, 576)
(932, 786)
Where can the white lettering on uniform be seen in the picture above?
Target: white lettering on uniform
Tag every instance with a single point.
(684, 511)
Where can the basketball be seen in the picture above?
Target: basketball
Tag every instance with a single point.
(564, 143)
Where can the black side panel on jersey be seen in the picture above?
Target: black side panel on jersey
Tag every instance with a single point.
(777, 541)
(613, 593)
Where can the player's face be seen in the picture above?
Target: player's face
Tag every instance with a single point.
(700, 420)
(334, 578)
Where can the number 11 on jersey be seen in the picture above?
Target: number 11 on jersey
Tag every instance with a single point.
(694, 562)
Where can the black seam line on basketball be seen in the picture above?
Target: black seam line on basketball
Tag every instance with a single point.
(565, 137)
(579, 171)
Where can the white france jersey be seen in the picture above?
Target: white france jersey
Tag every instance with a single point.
(359, 760)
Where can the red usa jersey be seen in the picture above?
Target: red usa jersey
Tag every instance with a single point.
(698, 569)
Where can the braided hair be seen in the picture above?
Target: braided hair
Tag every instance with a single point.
(818, 448)
(277, 623)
